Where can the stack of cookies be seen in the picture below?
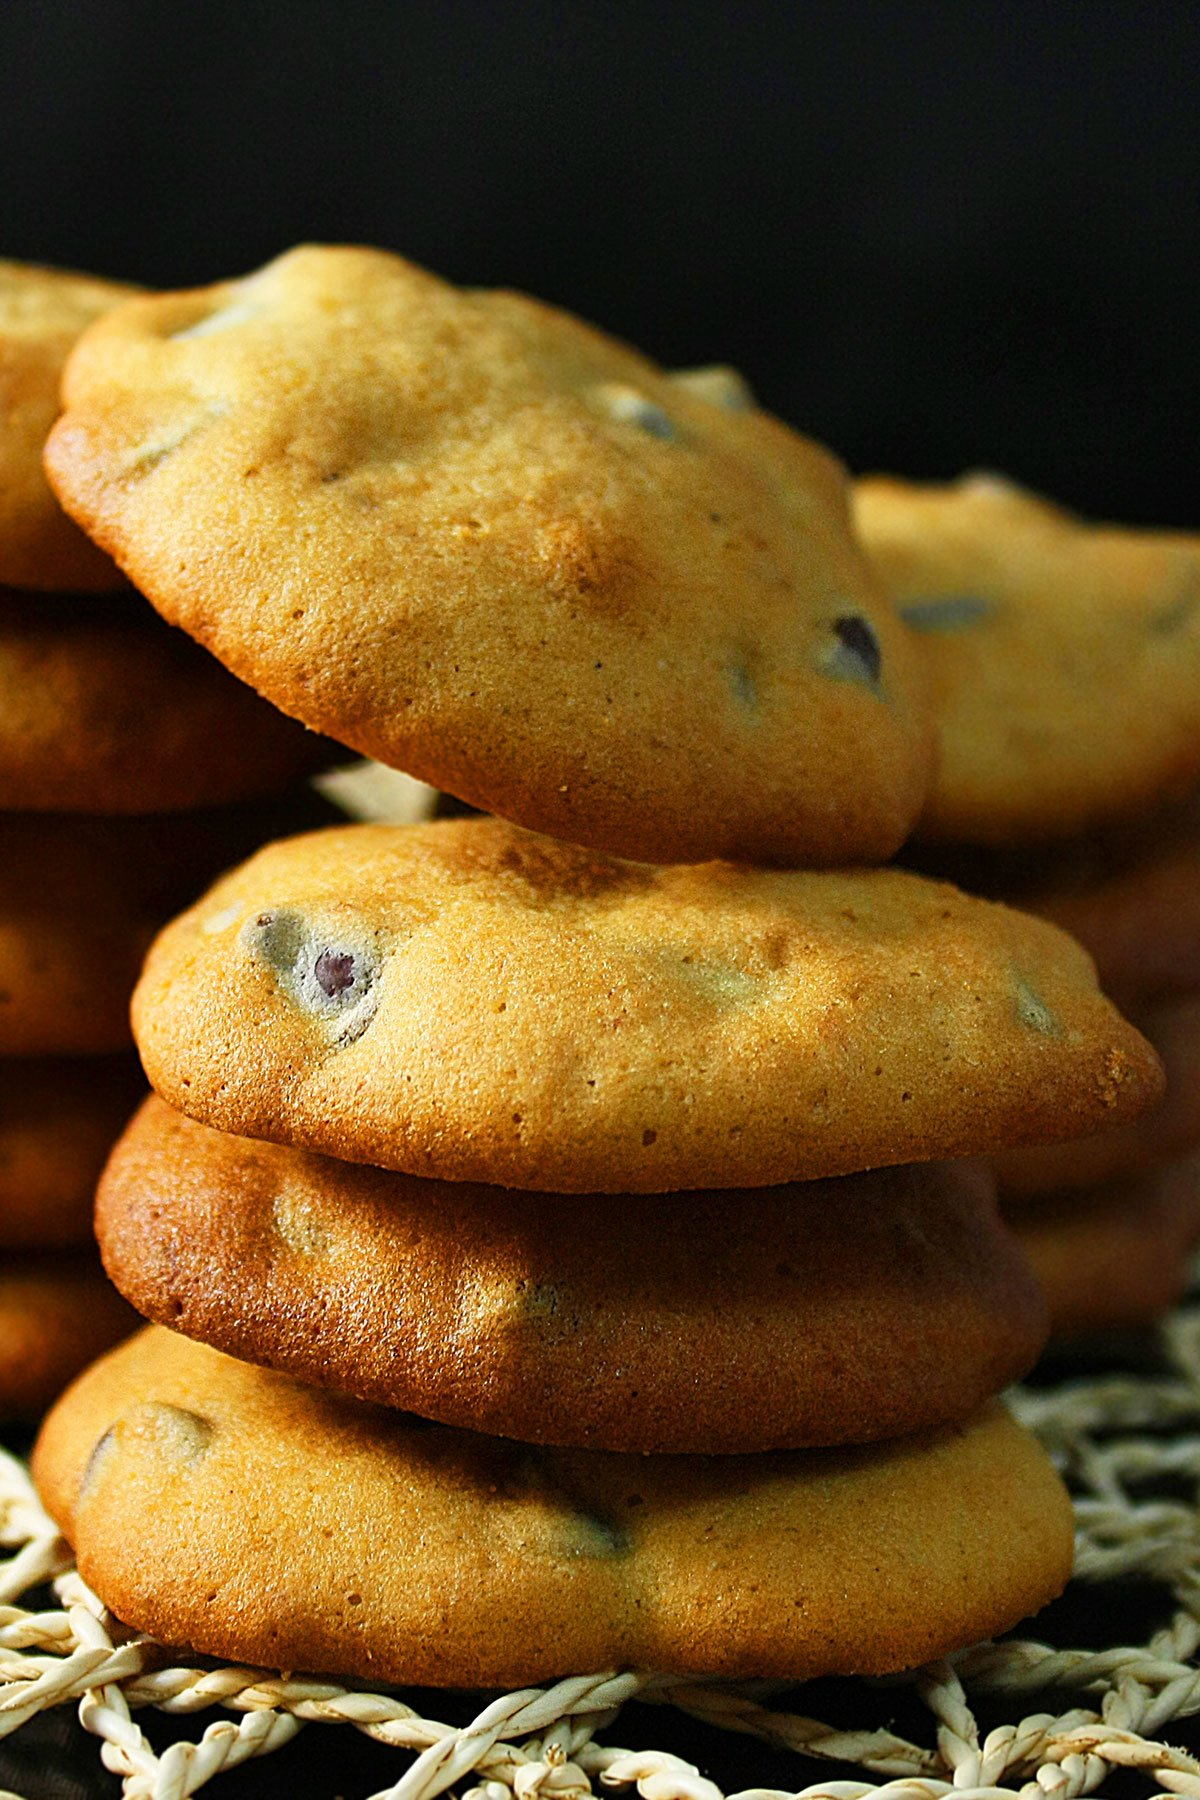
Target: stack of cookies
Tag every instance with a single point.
(566, 1260)
(1066, 664)
(110, 724)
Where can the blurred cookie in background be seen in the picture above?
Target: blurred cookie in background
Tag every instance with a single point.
(42, 312)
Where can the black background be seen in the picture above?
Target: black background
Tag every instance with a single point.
(935, 234)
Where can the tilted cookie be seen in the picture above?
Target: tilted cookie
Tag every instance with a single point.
(104, 709)
(613, 1322)
(42, 312)
(59, 1118)
(1065, 656)
(476, 539)
(463, 999)
(1114, 1257)
(230, 1509)
(80, 900)
(57, 1314)
(1169, 1131)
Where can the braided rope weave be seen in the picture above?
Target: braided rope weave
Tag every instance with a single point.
(1114, 1438)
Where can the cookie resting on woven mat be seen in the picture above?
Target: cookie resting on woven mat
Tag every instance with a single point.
(42, 312)
(465, 1000)
(1065, 656)
(1169, 1131)
(621, 1323)
(103, 708)
(80, 899)
(476, 539)
(59, 1118)
(57, 1314)
(235, 1511)
(1116, 1256)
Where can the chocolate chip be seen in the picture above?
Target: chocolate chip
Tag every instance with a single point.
(334, 971)
(335, 981)
(854, 653)
(860, 645)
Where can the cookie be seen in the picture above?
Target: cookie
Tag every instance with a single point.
(1140, 921)
(1129, 893)
(235, 1511)
(477, 540)
(59, 1118)
(42, 312)
(80, 900)
(104, 709)
(57, 1314)
(1065, 656)
(1115, 1257)
(1170, 1131)
(464, 1000)
(838, 1311)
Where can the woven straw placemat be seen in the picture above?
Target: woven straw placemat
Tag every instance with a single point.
(1128, 1443)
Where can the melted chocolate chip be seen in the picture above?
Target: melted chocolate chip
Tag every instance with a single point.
(334, 971)
(334, 982)
(860, 645)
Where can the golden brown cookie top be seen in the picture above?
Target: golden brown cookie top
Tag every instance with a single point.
(236, 1511)
(667, 1324)
(1065, 656)
(478, 540)
(463, 999)
(42, 312)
